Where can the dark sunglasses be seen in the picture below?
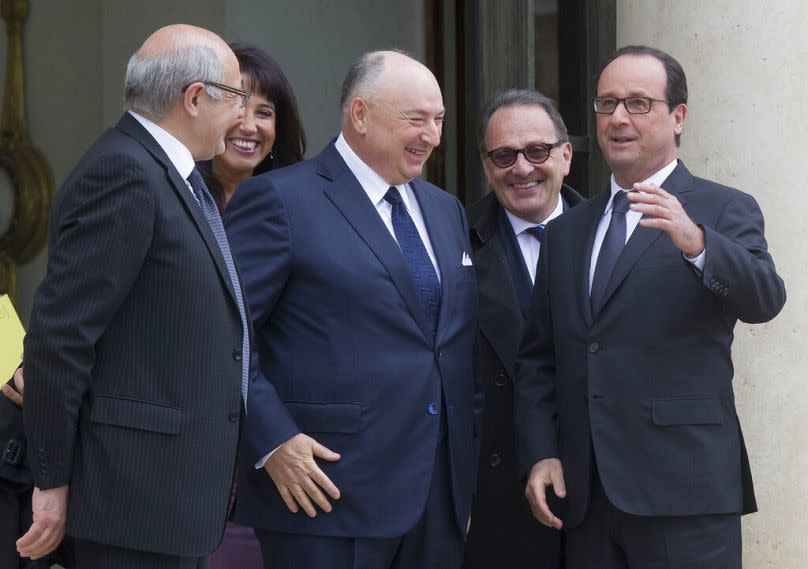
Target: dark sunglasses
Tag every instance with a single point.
(505, 157)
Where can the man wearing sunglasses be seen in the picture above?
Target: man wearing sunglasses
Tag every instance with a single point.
(525, 154)
(624, 399)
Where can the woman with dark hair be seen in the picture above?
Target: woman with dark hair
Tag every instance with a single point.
(268, 136)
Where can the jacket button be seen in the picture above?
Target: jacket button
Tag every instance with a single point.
(494, 459)
(233, 416)
(432, 409)
(594, 347)
(501, 380)
(237, 354)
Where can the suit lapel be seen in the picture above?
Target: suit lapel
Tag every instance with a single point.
(499, 304)
(591, 220)
(350, 199)
(447, 256)
(133, 128)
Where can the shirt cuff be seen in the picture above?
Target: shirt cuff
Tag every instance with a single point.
(260, 464)
(697, 261)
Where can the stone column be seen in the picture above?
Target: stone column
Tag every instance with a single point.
(746, 125)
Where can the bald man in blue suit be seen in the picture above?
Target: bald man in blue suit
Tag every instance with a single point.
(362, 411)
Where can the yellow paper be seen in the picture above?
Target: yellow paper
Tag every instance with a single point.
(11, 335)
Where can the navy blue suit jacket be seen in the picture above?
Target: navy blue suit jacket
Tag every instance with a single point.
(346, 353)
(646, 382)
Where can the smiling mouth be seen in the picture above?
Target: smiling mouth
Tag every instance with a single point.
(244, 145)
(526, 185)
(418, 152)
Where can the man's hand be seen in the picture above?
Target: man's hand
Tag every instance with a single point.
(49, 509)
(547, 472)
(297, 476)
(666, 213)
(19, 383)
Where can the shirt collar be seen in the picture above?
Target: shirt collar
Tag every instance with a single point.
(373, 184)
(657, 178)
(520, 225)
(176, 151)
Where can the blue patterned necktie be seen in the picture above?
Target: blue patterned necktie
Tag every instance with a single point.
(421, 268)
(211, 213)
(610, 249)
(537, 231)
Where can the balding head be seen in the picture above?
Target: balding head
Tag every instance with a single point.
(169, 60)
(392, 114)
(186, 79)
(179, 36)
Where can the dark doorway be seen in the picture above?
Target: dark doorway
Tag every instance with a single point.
(479, 47)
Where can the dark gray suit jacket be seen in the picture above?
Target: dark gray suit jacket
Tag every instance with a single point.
(646, 382)
(132, 358)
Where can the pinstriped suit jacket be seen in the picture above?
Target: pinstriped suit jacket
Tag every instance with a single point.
(132, 359)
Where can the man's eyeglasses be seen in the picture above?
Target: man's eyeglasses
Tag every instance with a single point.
(245, 95)
(634, 105)
(505, 157)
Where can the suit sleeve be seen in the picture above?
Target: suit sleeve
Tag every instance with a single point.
(534, 382)
(100, 232)
(737, 265)
(260, 239)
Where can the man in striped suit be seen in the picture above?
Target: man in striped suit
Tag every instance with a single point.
(134, 355)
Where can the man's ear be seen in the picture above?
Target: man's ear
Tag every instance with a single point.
(679, 114)
(191, 98)
(566, 157)
(358, 114)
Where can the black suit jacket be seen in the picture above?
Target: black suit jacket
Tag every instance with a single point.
(132, 357)
(504, 533)
(647, 381)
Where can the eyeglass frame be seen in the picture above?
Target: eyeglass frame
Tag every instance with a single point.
(650, 100)
(245, 95)
(548, 146)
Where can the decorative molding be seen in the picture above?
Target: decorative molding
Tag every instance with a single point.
(25, 166)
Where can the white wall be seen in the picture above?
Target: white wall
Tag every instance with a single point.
(315, 42)
(746, 125)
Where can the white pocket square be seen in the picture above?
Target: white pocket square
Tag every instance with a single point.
(466, 260)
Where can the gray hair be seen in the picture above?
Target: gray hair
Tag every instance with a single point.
(522, 98)
(363, 77)
(155, 84)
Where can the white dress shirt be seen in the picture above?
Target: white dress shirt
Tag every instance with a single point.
(528, 244)
(176, 151)
(376, 188)
(632, 219)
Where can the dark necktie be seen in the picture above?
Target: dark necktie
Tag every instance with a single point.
(610, 249)
(211, 213)
(421, 268)
(537, 231)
